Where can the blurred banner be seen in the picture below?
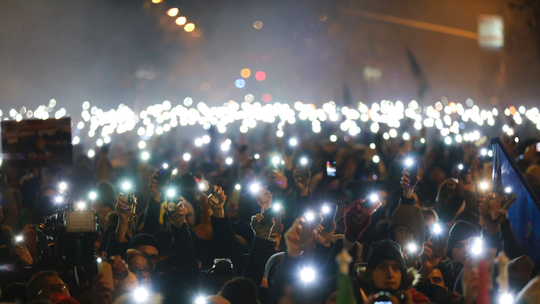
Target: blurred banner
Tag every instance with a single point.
(37, 143)
(524, 214)
(490, 32)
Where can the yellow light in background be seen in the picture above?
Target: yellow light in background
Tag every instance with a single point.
(258, 25)
(189, 27)
(172, 12)
(156, 1)
(181, 20)
(245, 73)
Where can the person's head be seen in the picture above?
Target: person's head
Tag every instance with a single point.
(386, 264)
(271, 266)
(457, 246)
(217, 300)
(240, 291)
(138, 264)
(43, 284)
(530, 293)
(519, 272)
(436, 278)
(264, 197)
(407, 226)
(147, 245)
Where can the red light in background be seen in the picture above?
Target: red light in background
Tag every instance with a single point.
(267, 97)
(265, 57)
(252, 58)
(260, 75)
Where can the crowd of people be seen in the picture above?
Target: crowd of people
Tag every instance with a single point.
(288, 220)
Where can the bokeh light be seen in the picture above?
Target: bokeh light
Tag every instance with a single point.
(172, 12)
(156, 1)
(260, 75)
(267, 97)
(258, 25)
(189, 27)
(240, 83)
(265, 57)
(181, 20)
(245, 73)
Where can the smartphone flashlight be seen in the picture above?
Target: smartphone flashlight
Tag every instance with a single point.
(92, 195)
(19, 239)
(204, 185)
(256, 156)
(59, 199)
(229, 161)
(409, 162)
(255, 188)
(186, 157)
(507, 190)
(303, 161)
(81, 206)
(238, 187)
(126, 186)
(325, 209)
(309, 216)
(200, 300)
(171, 192)
(307, 274)
(141, 294)
(374, 197)
(293, 142)
(506, 298)
(276, 160)
(62, 186)
(483, 152)
(412, 247)
(145, 155)
(476, 246)
(174, 171)
(277, 207)
(460, 166)
(437, 228)
(484, 185)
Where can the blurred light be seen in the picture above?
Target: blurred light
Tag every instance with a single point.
(81, 206)
(374, 197)
(409, 162)
(406, 136)
(240, 83)
(508, 189)
(172, 12)
(412, 247)
(171, 192)
(238, 187)
(91, 153)
(309, 216)
(92, 195)
(437, 228)
(206, 139)
(255, 188)
(245, 73)
(293, 142)
(325, 209)
(224, 147)
(483, 152)
(229, 161)
(372, 146)
(142, 144)
(156, 1)
(276, 160)
(386, 136)
(258, 25)
(477, 246)
(460, 166)
(141, 294)
(260, 75)
(126, 186)
(506, 298)
(303, 161)
(18, 238)
(189, 27)
(59, 199)
(186, 157)
(266, 97)
(448, 140)
(333, 138)
(484, 185)
(106, 139)
(62, 186)
(174, 171)
(145, 155)
(256, 156)
(376, 159)
(198, 142)
(307, 275)
(76, 140)
(276, 207)
(490, 153)
(200, 300)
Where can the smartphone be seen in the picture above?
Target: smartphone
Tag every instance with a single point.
(164, 174)
(508, 200)
(439, 241)
(305, 169)
(329, 216)
(105, 267)
(331, 168)
(413, 172)
(480, 190)
(272, 212)
(538, 147)
(312, 221)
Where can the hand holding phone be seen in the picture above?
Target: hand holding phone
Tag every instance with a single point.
(331, 168)
(164, 174)
(105, 267)
(311, 222)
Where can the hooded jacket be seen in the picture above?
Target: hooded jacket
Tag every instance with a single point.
(410, 278)
(410, 217)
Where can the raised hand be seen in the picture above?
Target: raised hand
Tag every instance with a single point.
(261, 230)
(408, 188)
(101, 291)
(491, 212)
(295, 241)
(325, 238)
(123, 210)
(156, 189)
(429, 262)
(23, 254)
(469, 282)
(301, 184)
(119, 269)
(217, 208)
(177, 213)
(279, 178)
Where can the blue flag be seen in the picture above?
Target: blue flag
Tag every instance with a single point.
(524, 214)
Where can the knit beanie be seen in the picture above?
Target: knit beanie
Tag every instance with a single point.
(410, 217)
(144, 239)
(386, 250)
(460, 231)
(519, 272)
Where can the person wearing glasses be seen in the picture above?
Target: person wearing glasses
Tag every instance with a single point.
(44, 284)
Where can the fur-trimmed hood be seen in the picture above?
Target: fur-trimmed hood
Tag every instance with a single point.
(411, 278)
